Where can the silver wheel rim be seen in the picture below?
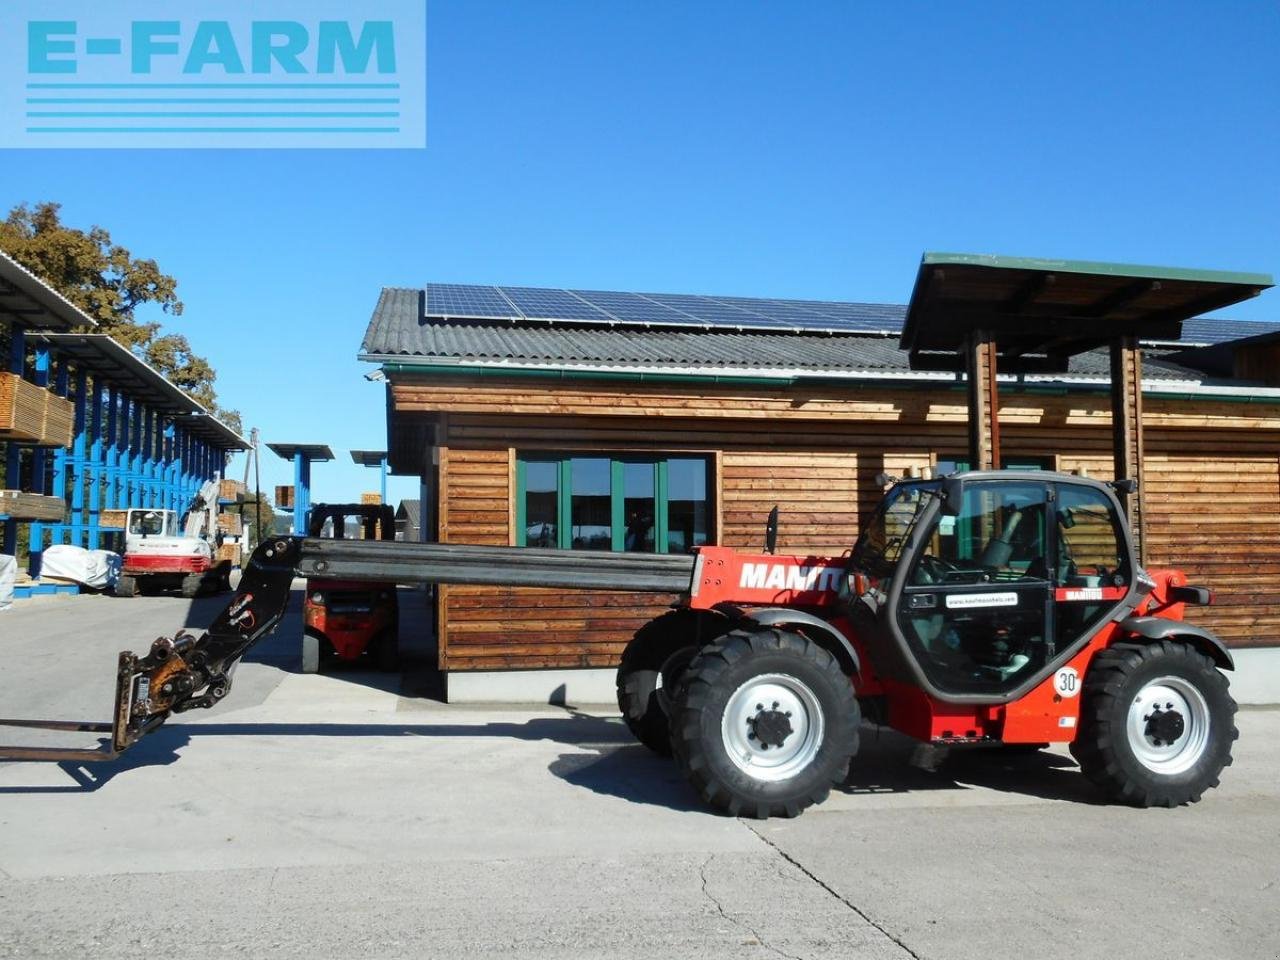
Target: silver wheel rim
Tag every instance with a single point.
(1182, 753)
(783, 694)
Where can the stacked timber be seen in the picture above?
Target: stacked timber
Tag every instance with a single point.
(229, 553)
(113, 519)
(284, 497)
(230, 490)
(371, 499)
(230, 524)
(21, 409)
(31, 414)
(31, 506)
(59, 421)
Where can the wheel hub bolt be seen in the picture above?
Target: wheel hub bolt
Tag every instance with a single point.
(769, 727)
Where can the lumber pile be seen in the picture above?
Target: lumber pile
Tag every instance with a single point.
(31, 506)
(31, 414)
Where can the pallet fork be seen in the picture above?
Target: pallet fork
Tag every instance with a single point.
(125, 727)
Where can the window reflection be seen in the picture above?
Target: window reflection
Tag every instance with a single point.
(540, 483)
(591, 523)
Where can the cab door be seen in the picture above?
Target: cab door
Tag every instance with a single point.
(977, 606)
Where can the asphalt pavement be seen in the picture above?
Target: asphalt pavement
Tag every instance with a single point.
(349, 815)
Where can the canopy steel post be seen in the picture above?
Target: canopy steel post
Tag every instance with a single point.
(13, 453)
(80, 458)
(112, 445)
(134, 496)
(1126, 431)
(61, 458)
(301, 492)
(984, 400)
(144, 466)
(95, 466)
(169, 468)
(39, 471)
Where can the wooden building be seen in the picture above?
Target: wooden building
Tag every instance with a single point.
(587, 435)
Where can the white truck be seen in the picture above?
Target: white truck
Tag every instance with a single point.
(165, 551)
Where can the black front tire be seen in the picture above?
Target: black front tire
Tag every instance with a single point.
(651, 670)
(704, 721)
(126, 586)
(1119, 748)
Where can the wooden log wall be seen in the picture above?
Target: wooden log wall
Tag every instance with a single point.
(1212, 487)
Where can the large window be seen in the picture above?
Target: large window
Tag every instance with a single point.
(625, 503)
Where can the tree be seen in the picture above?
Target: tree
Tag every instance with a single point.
(105, 281)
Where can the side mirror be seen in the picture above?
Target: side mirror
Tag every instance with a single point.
(1127, 486)
(952, 496)
(771, 532)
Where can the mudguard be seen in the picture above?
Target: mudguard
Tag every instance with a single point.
(1158, 628)
(830, 637)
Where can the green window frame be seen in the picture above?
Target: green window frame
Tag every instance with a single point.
(618, 463)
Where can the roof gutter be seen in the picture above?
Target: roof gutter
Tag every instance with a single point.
(1163, 389)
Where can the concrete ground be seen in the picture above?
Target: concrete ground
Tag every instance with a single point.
(350, 816)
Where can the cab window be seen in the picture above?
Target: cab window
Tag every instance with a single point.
(1092, 551)
(1092, 555)
(999, 535)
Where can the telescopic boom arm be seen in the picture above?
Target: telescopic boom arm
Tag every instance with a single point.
(186, 672)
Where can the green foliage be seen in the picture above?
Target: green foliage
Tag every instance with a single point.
(108, 283)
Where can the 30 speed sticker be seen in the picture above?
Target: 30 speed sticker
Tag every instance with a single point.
(1066, 682)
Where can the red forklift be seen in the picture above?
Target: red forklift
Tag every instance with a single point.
(346, 621)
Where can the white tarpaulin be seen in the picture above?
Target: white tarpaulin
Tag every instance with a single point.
(94, 568)
(8, 574)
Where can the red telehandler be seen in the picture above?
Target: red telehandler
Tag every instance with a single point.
(996, 607)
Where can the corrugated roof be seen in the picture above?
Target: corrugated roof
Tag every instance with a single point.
(398, 330)
(32, 303)
(401, 313)
(100, 355)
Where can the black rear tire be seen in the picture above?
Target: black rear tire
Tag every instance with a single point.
(192, 585)
(651, 670)
(1120, 746)
(818, 741)
(126, 586)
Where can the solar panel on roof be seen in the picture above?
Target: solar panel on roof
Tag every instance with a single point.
(747, 313)
(544, 304)
(714, 313)
(464, 300)
(633, 308)
(1218, 330)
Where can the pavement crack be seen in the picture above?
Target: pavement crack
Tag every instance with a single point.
(755, 934)
(830, 890)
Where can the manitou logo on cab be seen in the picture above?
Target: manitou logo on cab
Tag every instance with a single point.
(781, 576)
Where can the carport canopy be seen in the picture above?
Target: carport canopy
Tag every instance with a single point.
(1041, 312)
(315, 452)
(988, 315)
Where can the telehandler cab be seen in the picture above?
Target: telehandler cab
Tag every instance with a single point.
(996, 607)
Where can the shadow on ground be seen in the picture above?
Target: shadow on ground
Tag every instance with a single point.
(607, 761)
(418, 677)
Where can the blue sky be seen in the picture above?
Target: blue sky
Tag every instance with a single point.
(796, 150)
